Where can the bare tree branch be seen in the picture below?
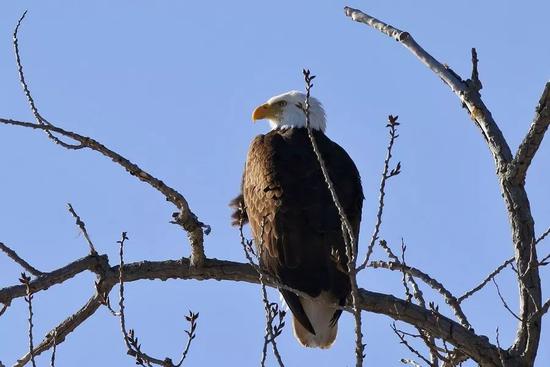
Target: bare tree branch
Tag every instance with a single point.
(471, 101)
(516, 200)
(510, 170)
(95, 264)
(25, 265)
(477, 347)
(271, 309)
(54, 349)
(386, 174)
(347, 232)
(500, 354)
(544, 309)
(191, 334)
(504, 302)
(130, 339)
(63, 329)
(4, 308)
(82, 227)
(530, 144)
(495, 272)
(543, 236)
(184, 217)
(434, 284)
(403, 340)
(34, 109)
(25, 280)
(429, 340)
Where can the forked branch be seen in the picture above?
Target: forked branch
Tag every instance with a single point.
(510, 171)
(184, 217)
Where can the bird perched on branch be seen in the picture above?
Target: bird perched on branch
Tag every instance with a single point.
(294, 220)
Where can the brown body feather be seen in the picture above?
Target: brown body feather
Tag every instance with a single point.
(283, 188)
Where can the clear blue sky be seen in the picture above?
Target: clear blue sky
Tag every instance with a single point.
(171, 85)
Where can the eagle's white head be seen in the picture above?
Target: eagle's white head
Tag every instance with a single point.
(283, 111)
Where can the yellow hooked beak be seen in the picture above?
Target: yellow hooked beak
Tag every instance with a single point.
(265, 111)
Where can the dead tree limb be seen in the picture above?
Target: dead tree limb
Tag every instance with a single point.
(184, 217)
(511, 183)
(475, 346)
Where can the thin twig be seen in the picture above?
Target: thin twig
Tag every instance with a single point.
(130, 339)
(428, 339)
(543, 236)
(543, 310)
(347, 233)
(191, 334)
(184, 217)
(404, 278)
(500, 355)
(82, 227)
(41, 120)
(269, 315)
(26, 280)
(406, 343)
(504, 302)
(270, 334)
(134, 348)
(386, 174)
(54, 349)
(497, 271)
(450, 299)
(486, 280)
(25, 265)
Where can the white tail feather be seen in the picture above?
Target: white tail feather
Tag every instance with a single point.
(320, 313)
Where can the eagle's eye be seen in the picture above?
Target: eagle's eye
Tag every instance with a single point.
(281, 103)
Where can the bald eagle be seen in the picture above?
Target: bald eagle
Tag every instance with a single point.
(286, 201)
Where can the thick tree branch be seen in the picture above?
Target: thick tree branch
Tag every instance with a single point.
(516, 200)
(477, 347)
(96, 264)
(468, 93)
